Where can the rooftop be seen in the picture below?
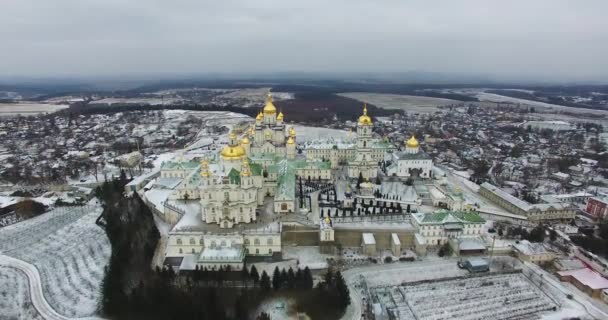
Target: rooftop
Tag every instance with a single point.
(587, 277)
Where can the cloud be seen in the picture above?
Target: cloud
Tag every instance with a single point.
(541, 39)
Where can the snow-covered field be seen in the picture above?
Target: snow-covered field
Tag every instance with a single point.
(15, 302)
(305, 133)
(70, 252)
(278, 308)
(29, 108)
(417, 104)
(148, 101)
(506, 296)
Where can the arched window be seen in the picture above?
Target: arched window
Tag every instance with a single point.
(269, 241)
(192, 241)
(193, 250)
(179, 241)
(200, 241)
(223, 243)
(246, 241)
(181, 251)
(256, 241)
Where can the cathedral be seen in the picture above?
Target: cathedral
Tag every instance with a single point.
(263, 163)
(411, 162)
(361, 157)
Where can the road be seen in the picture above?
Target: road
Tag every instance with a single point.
(35, 285)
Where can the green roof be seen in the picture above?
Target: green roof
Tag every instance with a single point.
(382, 144)
(256, 169)
(234, 176)
(470, 216)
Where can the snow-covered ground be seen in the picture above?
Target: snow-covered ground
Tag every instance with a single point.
(70, 252)
(15, 302)
(278, 308)
(505, 296)
(29, 108)
(306, 133)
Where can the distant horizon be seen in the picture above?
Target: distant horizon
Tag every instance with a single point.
(404, 77)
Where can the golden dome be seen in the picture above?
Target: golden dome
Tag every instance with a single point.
(365, 120)
(245, 140)
(327, 220)
(269, 108)
(412, 142)
(290, 140)
(259, 117)
(280, 116)
(232, 152)
(245, 168)
(292, 132)
(205, 168)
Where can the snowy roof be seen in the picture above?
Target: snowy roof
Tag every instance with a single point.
(528, 248)
(179, 165)
(569, 264)
(157, 197)
(368, 238)
(420, 239)
(169, 183)
(222, 254)
(471, 244)
(139, 179)
(188, 263)
(329, 144)
(445, 216)
(395, 238)
(587, 277)
(191, 220)
(477, 262)
(521, 204)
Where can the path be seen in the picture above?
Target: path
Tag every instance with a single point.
(37, 296)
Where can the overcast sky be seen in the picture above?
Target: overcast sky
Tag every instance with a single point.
(510, 39)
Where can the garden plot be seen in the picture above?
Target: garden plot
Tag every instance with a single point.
(504, 296)
(15, 300)
(70, 252)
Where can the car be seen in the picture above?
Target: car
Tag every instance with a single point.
(460, 265)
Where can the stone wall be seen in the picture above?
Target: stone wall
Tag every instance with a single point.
(353, 238)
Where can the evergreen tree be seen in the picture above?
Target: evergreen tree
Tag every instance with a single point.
(342, 289)
(265, 281)
(299, 281)
(291, 279)
(283, 279)
(254, 275)
(307, 279)
(245, 275)
(276, 279)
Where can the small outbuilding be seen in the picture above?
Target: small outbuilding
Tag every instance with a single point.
(368, 245)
